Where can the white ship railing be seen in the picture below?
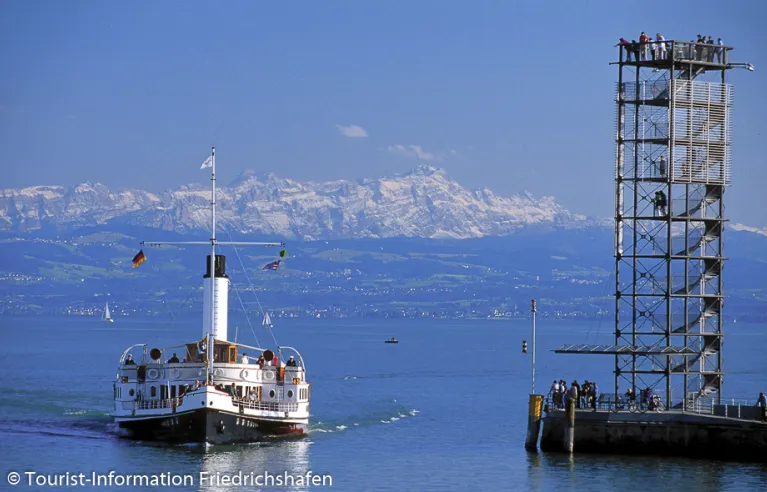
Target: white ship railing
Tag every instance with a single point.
(271, 406)
(151, 404)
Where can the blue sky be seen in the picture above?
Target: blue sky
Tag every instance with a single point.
(507, 95)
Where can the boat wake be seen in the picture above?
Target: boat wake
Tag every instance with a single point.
(352, 422)
(90, 428)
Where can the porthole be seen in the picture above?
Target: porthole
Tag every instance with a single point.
(290, 393)
(131, 392)
(272, 393)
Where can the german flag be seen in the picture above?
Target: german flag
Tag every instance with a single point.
(139, 258)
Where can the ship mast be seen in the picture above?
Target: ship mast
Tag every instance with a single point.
(212, 242)
(209, 366)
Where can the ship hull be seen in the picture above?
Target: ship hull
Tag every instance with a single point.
(207, 425)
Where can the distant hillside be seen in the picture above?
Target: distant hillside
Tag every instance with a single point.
(570, 272)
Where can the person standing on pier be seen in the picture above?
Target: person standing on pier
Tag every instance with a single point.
(554, 393)
(572, 394)
(593, 393)
(762, 403)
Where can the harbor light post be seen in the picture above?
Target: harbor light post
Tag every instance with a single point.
(533, 368)
(535, 404)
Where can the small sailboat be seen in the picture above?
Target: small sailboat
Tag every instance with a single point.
(391, 340)
(267, 322)
(107, 316)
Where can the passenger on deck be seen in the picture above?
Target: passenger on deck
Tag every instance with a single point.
(174, 359)
(711, 49)
(662, 166)
(291, 362)
(625, 44)
(660, 47)
(261, 361)
(129, 361)
(699, 48)
(719, 50)
(762, 403)
(644, 39)
(244, 358)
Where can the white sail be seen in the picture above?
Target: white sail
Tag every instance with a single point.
(107, 315)
(267, 323)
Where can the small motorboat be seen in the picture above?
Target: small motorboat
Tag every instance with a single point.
(391, 340)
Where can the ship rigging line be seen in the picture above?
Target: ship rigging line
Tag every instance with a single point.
(250, 284)
(247, 318)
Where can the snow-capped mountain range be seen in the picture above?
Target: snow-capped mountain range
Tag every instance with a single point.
(425, 202)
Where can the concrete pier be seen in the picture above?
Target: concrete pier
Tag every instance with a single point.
(667, 433)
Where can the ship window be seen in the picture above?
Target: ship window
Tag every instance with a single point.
(271, 394)
(153, 391)
(290, 393)
(131, 392)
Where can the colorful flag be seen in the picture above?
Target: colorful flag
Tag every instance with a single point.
(283, 253)
(208, 163)
(272, 266)
(139, 258)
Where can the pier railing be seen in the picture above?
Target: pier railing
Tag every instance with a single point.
(610, 402)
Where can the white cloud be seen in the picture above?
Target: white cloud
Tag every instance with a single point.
(352, 131)
(420, 154)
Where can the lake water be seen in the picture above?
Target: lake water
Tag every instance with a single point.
(445, 409)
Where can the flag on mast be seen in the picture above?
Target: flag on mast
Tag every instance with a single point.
(272, 266)
(139, 258)
(208, 163)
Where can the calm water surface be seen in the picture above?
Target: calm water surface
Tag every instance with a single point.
(444, 409)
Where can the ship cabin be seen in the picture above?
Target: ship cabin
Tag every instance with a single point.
(254, 378)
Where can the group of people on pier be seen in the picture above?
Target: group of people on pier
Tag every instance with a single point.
(584, 396)
(647, 48)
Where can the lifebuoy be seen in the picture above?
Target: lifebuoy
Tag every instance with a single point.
(269, 375)
(152, 373)
(244, 374)
(176, 373)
